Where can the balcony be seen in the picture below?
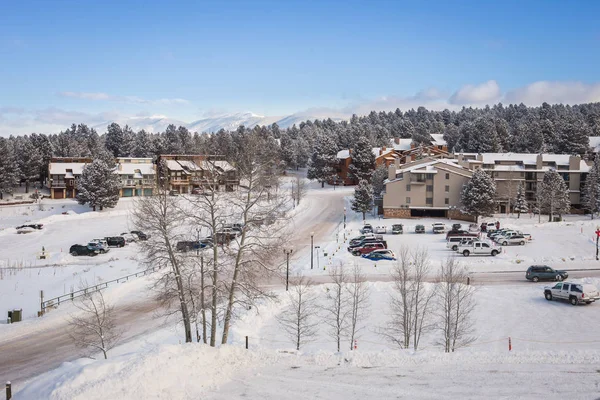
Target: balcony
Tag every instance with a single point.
(179, 181)
(417, 180)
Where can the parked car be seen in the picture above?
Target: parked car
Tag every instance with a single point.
(141, 235)
(365, 239)
(129, 237)
(474, 228)
(380, 229)
(234, 229)
(377, 255)
(511, 234)
(397, 229)
(543, 272)
(479, 247)
(197, 191)
(173, 193)
(32, 226)
(460, 233)
(187, 245)
(100, 245)
(355, 245)
(367, 248)
(115, 241)
(80, 250)
(455, 241)
(206, 243)
(512, 239)
(575, 293)
(456, 227)
(25, 229)
(420, 229)
(438, 227)
(368, 228)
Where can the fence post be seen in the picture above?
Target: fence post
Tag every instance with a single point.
(509, 344)
(8, 390)
(246, 342)
(468, 280)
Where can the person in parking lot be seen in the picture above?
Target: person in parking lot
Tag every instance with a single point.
(497, 225)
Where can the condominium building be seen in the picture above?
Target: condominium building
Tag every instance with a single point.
(138, 176)
(63, 173)
(510, 169)
(184, 173)
(429, 187)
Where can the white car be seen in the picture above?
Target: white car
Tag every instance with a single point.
(511, 239)
(380, 229)
(438, 227)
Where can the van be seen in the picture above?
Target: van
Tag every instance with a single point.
(454, 241)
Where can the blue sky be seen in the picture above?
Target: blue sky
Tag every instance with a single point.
(96, 60)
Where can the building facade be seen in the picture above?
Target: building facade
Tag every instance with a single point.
(184, 173)
(138, 176)
(63, 173)
(429, 187)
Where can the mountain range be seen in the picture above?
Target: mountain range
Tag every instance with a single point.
(158, 123)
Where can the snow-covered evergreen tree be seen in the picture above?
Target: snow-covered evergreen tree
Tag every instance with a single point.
(323, 160)
(451, 136)
(114, 140)
(141, 146)
(521, 205)
(379, 176)
(30, 161)
(590, 200)
(554, 194)
(9, 168)
(363, 160)
(573, 136)
(363, 197)
(98, 185)
(478, 195)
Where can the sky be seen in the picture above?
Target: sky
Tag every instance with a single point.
(65, 61)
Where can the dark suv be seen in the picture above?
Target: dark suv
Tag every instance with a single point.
(543, 272)
(115, 241)
(141, 235)
(81, 250)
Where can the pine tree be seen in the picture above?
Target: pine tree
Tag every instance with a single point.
(98, 185)
(521, 205)
(323, 160)
(591, 190)
(478, 195)
(141, 146)
(9, 168)
(363, 197)
(573, 136)
(379, 176)
(554, 194)
(30, 161)
(451, 136)
(115, 140)
(363, 160)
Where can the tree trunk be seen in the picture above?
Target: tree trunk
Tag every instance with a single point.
(519, 215)
(93, 208)
(27, 186)
(213, 317)
(323, 184)
(202, 304)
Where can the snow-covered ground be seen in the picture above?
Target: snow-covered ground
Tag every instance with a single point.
(556, 352)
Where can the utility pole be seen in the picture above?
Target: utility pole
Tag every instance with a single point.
(312, 258)
(287, 253)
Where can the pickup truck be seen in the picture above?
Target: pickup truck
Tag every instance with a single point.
(439, 228)
(575, 293)
(380, 229)
(479, 247)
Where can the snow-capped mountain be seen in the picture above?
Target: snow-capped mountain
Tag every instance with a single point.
(158, 123)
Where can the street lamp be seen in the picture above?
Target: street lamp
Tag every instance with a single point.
(287, 253)
(312, 234)
(318, 247)
(344, 217)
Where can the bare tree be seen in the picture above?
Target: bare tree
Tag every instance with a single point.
(301, 189)
(160, 217)
(93, 328)
(411, 302)
(454, 306)
(358, 291)
(299, 320)
(337, 310)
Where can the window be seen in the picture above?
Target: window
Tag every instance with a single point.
(565, 286)
(430, 188)
(447, 189)
(485, 245)
(447, 175)
(446, 201)
(557, 286)
(429, 176)
(576, 288)
(408, 188)
(429, 200)
(408, 200)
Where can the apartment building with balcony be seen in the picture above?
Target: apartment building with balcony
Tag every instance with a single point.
(63, 173)
(510, 169)
(138, 176)
(429, 187)
(184, 173)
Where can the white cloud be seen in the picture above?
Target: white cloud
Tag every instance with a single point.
(553, 92)
(487, 92)
(99, 96)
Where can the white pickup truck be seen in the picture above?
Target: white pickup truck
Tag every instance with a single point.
(479, 247)
(575, 293)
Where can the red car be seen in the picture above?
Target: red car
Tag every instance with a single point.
(367, 248)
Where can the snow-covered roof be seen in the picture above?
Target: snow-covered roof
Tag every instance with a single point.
(595, 143)
(491, 158)
(224, 165)
(404, 144)
(61, 168)
(429, 165)
(343, 154)
(438, 139)
(131, 169)
(189, 165)
(174, 165)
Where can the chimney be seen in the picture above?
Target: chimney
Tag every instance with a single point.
(392, 171)
(539, 162)
(574, 163)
